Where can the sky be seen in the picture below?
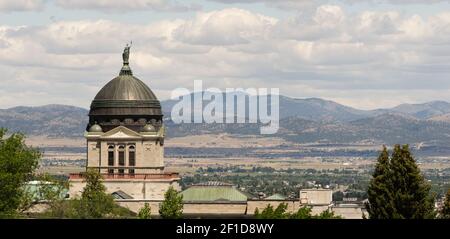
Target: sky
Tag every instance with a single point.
(362, 53)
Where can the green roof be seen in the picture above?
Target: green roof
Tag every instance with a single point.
(35, 189)
(276, 196)
(218, 193)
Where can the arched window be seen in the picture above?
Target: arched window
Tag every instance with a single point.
(131, 158)
(121, 158)
(111, 158)
(111, 155)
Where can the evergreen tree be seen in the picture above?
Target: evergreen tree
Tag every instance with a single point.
(410, 191)
(327, 214)
(398, 190)
(302, 213)
(266, 213)
(256, 214)
(445, 212)
(94, 202)
(145, 212)
(280, 212)
(270, 213)
(172, 206)
(17, 165)
(381, 204)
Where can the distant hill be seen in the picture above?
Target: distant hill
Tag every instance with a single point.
(389, 128)
(318, 120)
(425, 110)
(319, 110)
(311, 108)
(302, 120)
(441, 118)
(49, 120)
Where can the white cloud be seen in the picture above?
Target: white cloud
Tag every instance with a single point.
(352, 58)
(100, 5)
(128, 5)
(226, 27)
(21, 5)
(303, 3)
(283, 4)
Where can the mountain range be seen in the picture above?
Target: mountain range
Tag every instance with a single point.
(301, 120)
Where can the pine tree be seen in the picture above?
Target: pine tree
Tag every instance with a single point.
(270, 213)
(379, 192)
(303, 213)
(94, 184)
(95, 202)
(327, 214)
(445, 212)
(266, 213)
(145, 212)
(398, 190)
(256, 213)
(280, 211)
(410, 191)
(172, 206)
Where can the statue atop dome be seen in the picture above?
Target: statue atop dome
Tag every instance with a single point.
(123, 140)
(126, 53)
(126, 70)
(125, 97)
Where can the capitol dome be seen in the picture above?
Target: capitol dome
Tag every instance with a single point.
(125, 87)
(125, 100)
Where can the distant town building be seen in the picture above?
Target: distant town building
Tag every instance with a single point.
(350, 210)
(316, 196)
(322, 199)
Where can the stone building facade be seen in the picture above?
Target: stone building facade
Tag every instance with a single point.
(125, 140)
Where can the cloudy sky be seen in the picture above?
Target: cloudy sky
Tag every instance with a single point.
(363, 53)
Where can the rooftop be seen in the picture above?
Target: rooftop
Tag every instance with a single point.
(213, 192)
(213, 183)
(276, 196)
